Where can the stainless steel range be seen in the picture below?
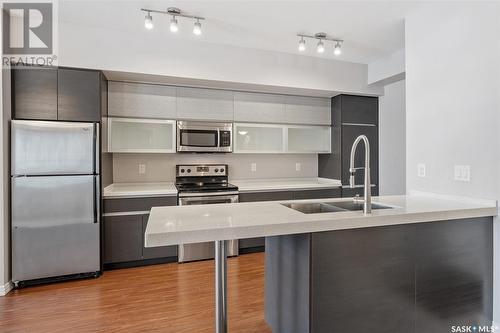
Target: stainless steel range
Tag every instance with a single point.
(201, 185)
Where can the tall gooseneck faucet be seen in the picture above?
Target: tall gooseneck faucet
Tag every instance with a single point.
(367, 205)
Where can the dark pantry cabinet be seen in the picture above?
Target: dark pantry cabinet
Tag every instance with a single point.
(351, 116)
(48, 93)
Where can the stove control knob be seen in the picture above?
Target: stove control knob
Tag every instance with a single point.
(182, 170)
(216, 170)
(189, 170)
(221, 170)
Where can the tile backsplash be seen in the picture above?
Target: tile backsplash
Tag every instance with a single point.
(161, 167)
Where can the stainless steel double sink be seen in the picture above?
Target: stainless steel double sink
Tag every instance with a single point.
(331, 207)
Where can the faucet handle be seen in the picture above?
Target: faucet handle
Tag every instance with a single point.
(352, 171)
(351, 181)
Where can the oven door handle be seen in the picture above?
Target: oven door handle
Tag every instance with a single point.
(185, 200)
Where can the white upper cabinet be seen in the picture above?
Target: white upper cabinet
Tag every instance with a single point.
(259, 138)
(129, 135)
(205, 104)
(308, 110)
(308, 139)
(253, 107)
(141, 100)
(277, 138)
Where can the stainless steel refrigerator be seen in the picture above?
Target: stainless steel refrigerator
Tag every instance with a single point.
(55, 199)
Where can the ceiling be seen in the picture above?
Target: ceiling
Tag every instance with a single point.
(370, 29)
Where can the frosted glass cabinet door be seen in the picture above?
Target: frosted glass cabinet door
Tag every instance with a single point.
(259, 138)
(308, 139)
(128, 135)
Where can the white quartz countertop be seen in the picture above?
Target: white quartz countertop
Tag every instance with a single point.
(203, 223)
(155, 189)
(277, 184)
(137, 190)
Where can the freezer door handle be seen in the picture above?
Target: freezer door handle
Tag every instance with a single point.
(97, 200)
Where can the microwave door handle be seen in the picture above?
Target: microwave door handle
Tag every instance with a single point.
(217, 143)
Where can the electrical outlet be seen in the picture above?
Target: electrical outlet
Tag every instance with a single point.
(421, 169)
(462, 173)
(298, 167)
(142, 169)
(253, 167)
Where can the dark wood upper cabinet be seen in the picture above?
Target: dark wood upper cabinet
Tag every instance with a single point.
(79, 95)
(34, 93)
(359, 109)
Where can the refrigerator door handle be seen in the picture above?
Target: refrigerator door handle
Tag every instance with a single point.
(97, 200)
(97, 143)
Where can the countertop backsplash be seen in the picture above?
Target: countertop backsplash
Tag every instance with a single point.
(161, 167)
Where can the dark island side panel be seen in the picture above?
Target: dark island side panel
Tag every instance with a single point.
(416, 278)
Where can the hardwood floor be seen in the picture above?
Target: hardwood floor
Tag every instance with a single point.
(161, 298)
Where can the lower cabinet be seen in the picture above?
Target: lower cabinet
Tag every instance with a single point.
(124, 233)
(258, 244)
(122, 238)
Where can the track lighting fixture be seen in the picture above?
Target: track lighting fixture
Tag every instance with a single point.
(174, 24)
(148, 21)
(321, 37)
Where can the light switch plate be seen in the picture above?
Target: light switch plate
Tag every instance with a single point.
(253, 167)
(421, 169)
(298, 167)
(142, 169)
(462, 173)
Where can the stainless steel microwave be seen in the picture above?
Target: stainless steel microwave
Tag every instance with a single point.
(204, 137)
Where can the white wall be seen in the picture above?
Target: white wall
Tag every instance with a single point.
(453, 101)
(388, 69)
(392, 140)
(161, 167)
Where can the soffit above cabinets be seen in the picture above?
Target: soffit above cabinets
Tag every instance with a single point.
(223, 85)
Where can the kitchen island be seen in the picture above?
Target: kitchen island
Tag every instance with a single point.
(345, 271)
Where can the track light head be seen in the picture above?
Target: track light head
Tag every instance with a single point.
(148, 21)
(197, 28)
(174, 27)
(338, 48)
(321, 47)
(302, 44)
